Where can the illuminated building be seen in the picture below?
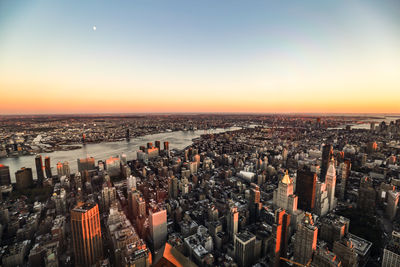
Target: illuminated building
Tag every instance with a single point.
(330, 180)
(47, 167)
(166, 145)
(327, 153)
(392, 203)
(244, 248)
(280, 232)
(305, 189)
(344, 250)
(24, 178)
(232, 222)
(325, 258)
(306, 240)
(113, 166)
(5, 178)
(86, 234)
(158, 227)
(39, 169)
(63, 169)
(282, 195)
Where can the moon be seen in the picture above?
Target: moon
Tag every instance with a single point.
(94, 28)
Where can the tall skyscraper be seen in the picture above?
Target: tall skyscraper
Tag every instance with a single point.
(39, 169)
(166, 145)
(392, 203)
(232, 222)
(86, 234)
(24, 178)
(280, 232)
(366, 195)
(327, 153)
(345, 174)
(47, 167)
(158, 227)
(5, 178)
(283, 196)
(244, 248)
(330, 181)
(306, 239)
(305, 189)
(63, 169)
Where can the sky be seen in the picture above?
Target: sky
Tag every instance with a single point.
(262, 56)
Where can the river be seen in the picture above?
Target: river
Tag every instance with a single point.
(102, 151)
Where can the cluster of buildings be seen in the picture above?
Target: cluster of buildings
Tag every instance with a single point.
(281, 195)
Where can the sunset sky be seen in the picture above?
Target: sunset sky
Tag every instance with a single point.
(199, 56)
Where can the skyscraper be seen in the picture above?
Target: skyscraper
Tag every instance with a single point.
(280, 232)
(24, 178)
(39, 169)
(86, 234)
(5, 178)
(366, 195)
(158, 227)
(327, 153)
(283, 196)
(330, 180)
(391, 253)
(232, 222)
(244, 248)
(305, 189)
(306, 240)
(86, 164)
(392, 203)
(47, 167)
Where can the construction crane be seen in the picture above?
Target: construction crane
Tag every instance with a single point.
(297, 263)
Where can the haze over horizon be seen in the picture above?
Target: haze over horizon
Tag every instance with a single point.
(199, 57)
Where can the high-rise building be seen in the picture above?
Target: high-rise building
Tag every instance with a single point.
(392, 203)
(321, 199)
(330, 180)
(327, 153)
(391, 253)
(325, 258)
(166, 145)
(280, 232)
(39, 169)
(5, 178)
(108, 196)
(306, 239)
(344, 249)
(333, 228)
(232, 222)
(113, 166)
(366, 195)
(47, 167)
(86, 234)
(86, 164)
(24, 178)
(173, 187)
(345, 173)
(63, 169)
(244, 248)
(305, 189)
(158, 227)
(282, 194)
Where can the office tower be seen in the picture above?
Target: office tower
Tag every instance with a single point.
(24, 178)
(86, 164)
(86, 234)
(280, 232)
(63, 169)
(392, 202)
(39, 169)
(47, 167)
(113, 166)
(232, 222)
(321, 199)
(372, 126)
(127, 134)
(166, 145)
(158, 227)
(5, 178)
(131, 183)
(345, 173)
(345, 251)
(108, 196)
(124, 160)
(173, 187)
(333, 228)
(391, 253)
(366, 195)
(244, 248)
(149, 145)
(305, 189)
(283, 195)
(330, 180)
(158, 145)
(327, 153)
(306, 239)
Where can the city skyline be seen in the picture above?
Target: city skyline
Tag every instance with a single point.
(203, 57)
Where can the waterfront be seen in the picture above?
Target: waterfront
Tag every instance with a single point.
(102, 151)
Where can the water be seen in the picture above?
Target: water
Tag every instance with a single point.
(102, 151)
